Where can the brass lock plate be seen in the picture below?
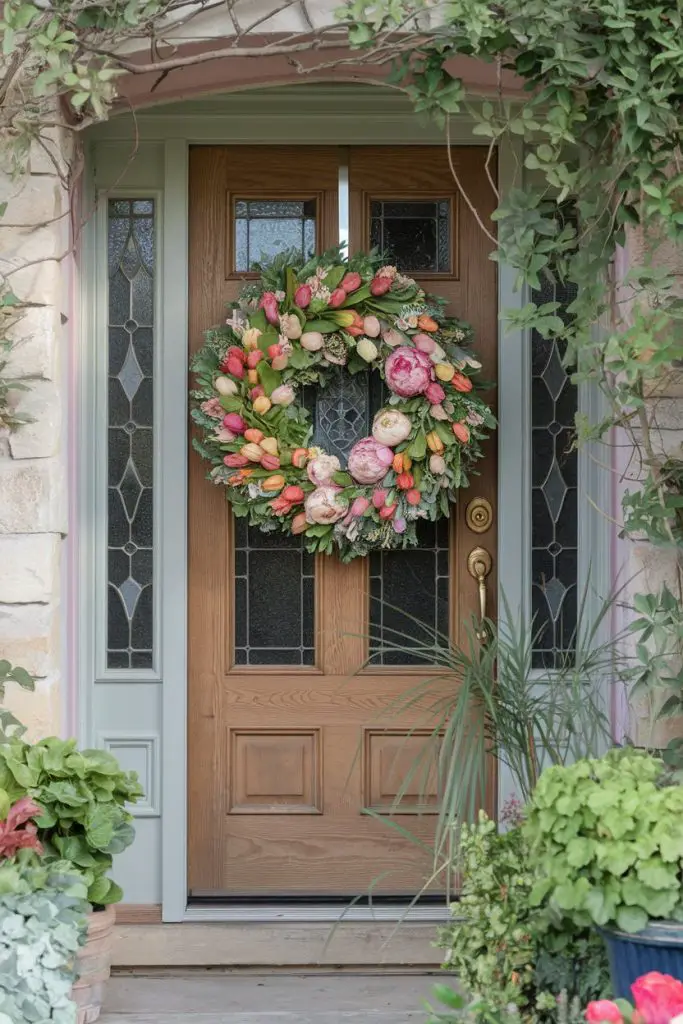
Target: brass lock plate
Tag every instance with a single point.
(479, 515)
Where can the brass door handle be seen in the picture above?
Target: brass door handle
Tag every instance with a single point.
(479, 565)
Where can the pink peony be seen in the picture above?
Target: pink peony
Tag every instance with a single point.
(434, 393)
(603, 1011)
(322, 468)
(369, 461)
(408, 372)
(323, 505)
(212, 407)
(658, 997)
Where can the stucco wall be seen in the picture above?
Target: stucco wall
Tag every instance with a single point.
(34, 236)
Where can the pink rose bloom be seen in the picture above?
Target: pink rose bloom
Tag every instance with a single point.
(212, 407)
(603, 1010)
(323, 505)
(321, 469)
(434, 393)
(658, 997)
(369, 461)
(408, 372)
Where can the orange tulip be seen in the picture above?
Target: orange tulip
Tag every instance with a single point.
(401, 462)
(300, 457)
(299, 523)
(425, 323)
(461, 383)
(405, 481)
(273, 483)
(413, 497)
(293, 494)
(253, 434)
(462, 432)
(434, 442)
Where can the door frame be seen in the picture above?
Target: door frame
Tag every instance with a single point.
(164, 136)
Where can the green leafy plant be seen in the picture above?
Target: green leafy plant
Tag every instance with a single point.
(10, 726)
(506, 952)
(607, 836)
(456, 1009)
(489, 700)
(42, 925)
(83, 796)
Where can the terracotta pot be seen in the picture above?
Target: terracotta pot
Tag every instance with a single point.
(94, 964)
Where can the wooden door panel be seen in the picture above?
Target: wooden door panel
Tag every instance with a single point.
(283, 759)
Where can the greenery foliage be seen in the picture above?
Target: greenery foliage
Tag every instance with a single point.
(601, 125)
(505, 951)
(607, 836)
(10, 726)
(83, 796)
(42, 926)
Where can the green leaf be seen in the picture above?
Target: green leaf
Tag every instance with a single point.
(321, 326)
(269, 377)
(631, 919)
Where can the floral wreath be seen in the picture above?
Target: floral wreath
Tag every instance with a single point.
(296, 327)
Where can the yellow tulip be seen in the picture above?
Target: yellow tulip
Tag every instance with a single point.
(434, 442)
(444, 371)
(262, 405)
(252, 451)
(269, 444)
(273, 483)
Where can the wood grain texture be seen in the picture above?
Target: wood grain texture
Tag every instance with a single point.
(242, 844)
(138, 913)
(273, 945)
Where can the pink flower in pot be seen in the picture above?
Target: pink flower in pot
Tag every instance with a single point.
(369, 461)
(408, 372)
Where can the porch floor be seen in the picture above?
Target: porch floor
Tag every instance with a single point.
(268, 999)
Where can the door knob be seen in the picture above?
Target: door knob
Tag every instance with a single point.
(479, 565)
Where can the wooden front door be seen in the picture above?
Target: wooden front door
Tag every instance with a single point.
(287, 747)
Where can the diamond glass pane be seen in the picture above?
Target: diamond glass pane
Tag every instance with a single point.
(130, 598)
(409, 602)
(554, 509)
(342, 414)
(415, 235)
(274, 599)
(263, 228)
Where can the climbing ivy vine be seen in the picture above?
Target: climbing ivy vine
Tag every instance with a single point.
(601, 122)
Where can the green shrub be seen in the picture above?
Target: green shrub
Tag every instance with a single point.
(505, 951)
(83, 796)
(42, 925)
(607, 835)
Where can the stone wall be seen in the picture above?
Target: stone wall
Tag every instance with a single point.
(34, 236)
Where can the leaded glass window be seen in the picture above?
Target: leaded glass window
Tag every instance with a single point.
(414, 234)
(130, 598)
(342, 414)
(264, 228)
(409, 604)
(554, 507)
(274, 599)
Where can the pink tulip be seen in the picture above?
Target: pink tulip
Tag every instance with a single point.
(254, 358)
(268, 304)
(399, 525)
(256, 392)
(351, 281)
(387, 512)
(233, 421)
(379, 286)
(379, 497)
(235, 460)
(280, 362)
(603, 1011)
(235, 367)
(359, 505)
(274, 350)
(337, 297)
(434, 393)
(303, 296)
(424, 343)
(270, 461)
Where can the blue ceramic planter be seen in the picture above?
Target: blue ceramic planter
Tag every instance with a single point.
(659, 947)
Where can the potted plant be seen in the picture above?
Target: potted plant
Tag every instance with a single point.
(83, 797)
(42, 922)
(658, 999)
(607, 839)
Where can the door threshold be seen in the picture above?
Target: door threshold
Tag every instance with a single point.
(271, 913)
